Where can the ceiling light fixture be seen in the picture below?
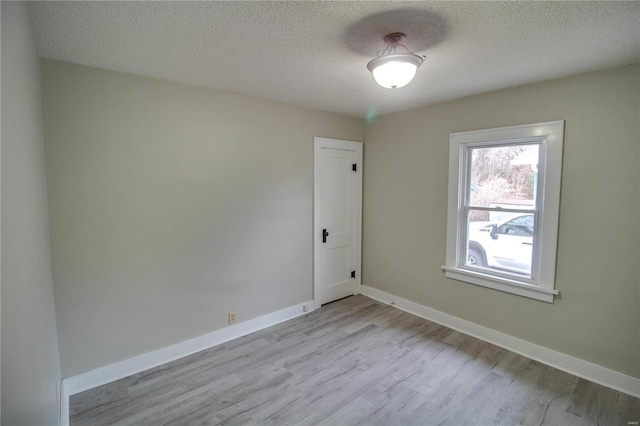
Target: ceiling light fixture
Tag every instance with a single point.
(393, 70)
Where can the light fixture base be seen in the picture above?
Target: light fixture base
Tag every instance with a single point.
(394, 38)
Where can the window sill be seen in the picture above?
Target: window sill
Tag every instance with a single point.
(502, 284)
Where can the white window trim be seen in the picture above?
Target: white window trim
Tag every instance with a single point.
(550, 135)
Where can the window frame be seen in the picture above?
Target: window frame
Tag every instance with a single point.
(549, 136)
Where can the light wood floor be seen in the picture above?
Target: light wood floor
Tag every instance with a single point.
(354, 361)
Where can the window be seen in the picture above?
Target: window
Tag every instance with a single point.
(504, 200)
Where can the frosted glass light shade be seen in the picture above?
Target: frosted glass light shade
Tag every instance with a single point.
(393, 75)
(394, 71)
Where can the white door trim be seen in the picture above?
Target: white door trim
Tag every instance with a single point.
(319, 143)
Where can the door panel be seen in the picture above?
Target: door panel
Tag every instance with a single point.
(335, 189)
(337, 210)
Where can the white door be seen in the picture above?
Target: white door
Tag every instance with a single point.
(337, 219)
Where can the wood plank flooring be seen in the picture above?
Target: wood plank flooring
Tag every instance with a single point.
(354, 361)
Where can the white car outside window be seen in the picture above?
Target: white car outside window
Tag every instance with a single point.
(507, 245)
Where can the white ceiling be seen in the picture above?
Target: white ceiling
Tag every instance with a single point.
(315, 53)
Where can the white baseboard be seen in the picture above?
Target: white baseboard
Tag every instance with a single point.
(576, 366)
(100, 376)
(64, 406)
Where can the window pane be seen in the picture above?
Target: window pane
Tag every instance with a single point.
(500, 241)
(504, 176)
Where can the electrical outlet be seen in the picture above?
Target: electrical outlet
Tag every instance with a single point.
(232, 318)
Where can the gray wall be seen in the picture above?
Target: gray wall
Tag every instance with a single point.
(405, 201)
(171, 206)
(30, 366)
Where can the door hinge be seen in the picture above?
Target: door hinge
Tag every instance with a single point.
(354, 167)
(353, 274)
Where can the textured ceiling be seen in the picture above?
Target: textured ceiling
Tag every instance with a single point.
(315, 53)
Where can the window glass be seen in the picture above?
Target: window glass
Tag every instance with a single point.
(504, 176)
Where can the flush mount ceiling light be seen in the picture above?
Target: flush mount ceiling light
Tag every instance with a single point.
(393, 70)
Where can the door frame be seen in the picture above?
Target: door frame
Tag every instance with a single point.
(318, 144)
